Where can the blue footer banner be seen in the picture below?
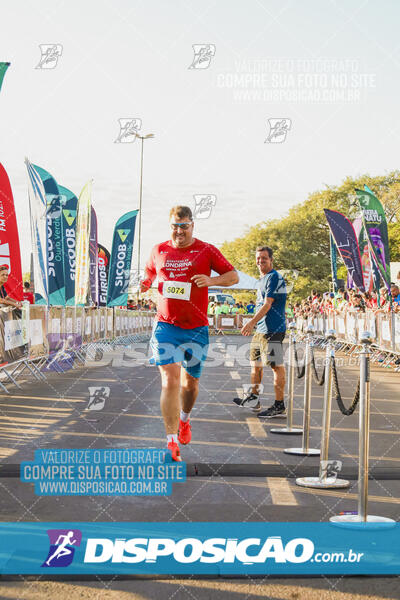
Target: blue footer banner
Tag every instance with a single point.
(200, 548)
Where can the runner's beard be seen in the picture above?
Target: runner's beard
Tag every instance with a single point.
(181, 240)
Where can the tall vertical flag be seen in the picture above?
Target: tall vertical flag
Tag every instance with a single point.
(368, 266)
(333, 262)
(374, 221)
(55, 239)
(121, 259)
(3, 68)
(37, 204)
(82, 244)
(346, 241)
(103, 264)
(68, 220)
(93, 280)
(9, 239)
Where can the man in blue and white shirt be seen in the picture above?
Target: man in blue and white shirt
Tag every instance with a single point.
(266, 345)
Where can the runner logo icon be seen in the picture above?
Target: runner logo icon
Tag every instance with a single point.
(203, 53)
(98, 397)
(330, 469)
(204, 204)
(278, 129)
(61, 551)
(50, 53)
(128, 129)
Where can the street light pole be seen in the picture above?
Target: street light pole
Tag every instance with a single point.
(142, 138)
(140, 208)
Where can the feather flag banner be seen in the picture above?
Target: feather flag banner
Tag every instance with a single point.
(38, 207)
(82, 245)
(346, 242)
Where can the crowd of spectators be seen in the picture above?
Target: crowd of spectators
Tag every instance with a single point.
(147, 304)
(345, 300)
(224, 308)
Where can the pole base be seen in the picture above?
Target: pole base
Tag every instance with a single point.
(287, 430)
(327, 483)
(301, 452)
(355, 522)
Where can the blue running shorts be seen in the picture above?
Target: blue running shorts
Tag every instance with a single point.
(171, 344)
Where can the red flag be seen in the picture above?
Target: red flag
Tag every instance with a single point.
(9, 240)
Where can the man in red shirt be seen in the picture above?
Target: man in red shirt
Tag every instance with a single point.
(28, 295)
(183, 267)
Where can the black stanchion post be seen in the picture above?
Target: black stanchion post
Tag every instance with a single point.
(305, 450)
(325, 480)
(289, 429)
(363, 442)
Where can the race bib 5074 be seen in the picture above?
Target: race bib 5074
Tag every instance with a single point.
(179, 290)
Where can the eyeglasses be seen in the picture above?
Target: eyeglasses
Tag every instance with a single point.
(183, 226)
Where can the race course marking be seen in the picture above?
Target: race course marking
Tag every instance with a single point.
(162, 440)
(281, 492)
(255, 427)
(314, 492)
(234, 374)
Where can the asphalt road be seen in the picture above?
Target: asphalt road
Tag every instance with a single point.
(237, 470)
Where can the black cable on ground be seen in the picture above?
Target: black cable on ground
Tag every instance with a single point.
(356, 398)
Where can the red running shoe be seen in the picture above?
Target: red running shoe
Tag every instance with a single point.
(176, 453)
(184, 432)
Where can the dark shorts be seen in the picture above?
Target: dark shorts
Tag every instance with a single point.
(267, 348)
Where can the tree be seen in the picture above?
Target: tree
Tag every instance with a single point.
(300, 240)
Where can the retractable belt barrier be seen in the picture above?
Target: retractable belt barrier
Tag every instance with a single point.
(41, 339)
(293, 362)
(362, 515)
(305, 450)
(328, 469)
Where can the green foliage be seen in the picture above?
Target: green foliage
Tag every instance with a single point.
(394, 240)
(244, 297)
(300, 240)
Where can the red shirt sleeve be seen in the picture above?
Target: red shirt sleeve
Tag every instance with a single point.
(219, 262)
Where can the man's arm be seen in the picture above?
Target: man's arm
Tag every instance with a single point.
(150, 275)
(248, 328)
(10, 302)
(225, 280)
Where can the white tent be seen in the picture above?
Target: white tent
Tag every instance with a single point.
(246, 282)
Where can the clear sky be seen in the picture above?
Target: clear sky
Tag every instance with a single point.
(332, 65)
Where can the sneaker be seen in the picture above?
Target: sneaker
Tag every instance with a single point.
(251, 401)
(276, 410)
(184, 432)
(176, 453)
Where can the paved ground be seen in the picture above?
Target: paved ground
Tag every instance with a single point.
(237, 468)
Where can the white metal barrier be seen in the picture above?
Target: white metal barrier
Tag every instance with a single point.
(39, 335)
(349, 327)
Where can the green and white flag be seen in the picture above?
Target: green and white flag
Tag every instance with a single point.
(3, 68)
(374, 221)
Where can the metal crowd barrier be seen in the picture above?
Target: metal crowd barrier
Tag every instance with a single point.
(40, 339)
(227, 322)
(384, 329)
(349, 327)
